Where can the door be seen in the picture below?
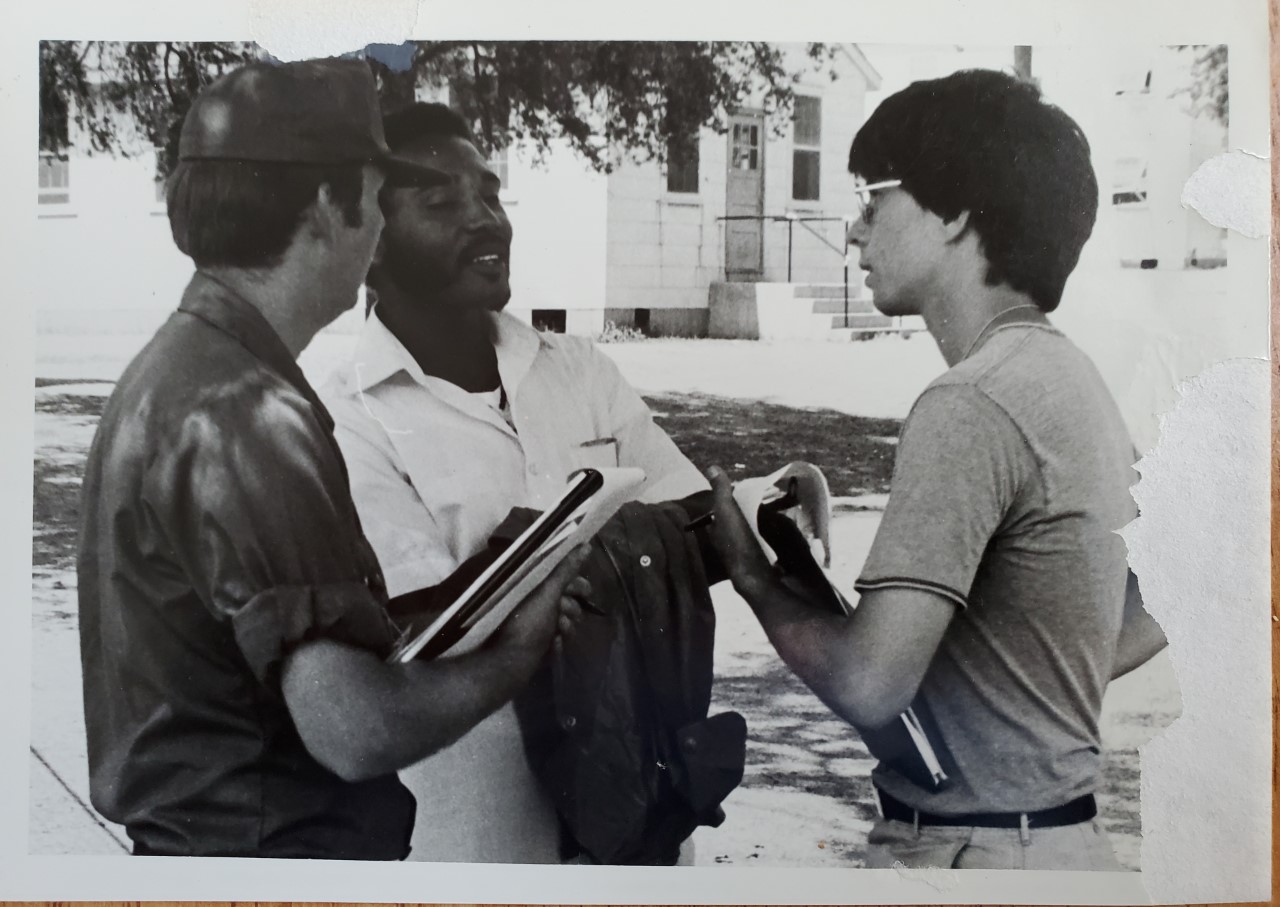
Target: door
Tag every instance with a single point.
(744, 198)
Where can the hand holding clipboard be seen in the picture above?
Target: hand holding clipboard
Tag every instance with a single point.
(589, 500)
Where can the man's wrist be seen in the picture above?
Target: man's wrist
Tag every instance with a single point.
(756, 585)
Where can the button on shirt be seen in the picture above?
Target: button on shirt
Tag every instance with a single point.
(218, 533)
(434, 470)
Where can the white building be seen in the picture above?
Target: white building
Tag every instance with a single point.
(641, 246)
(645, 245)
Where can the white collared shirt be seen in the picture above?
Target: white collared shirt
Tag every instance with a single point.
(434, 469)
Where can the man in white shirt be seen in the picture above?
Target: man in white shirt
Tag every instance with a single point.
(454, 412)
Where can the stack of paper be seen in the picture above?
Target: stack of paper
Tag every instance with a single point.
(591, 497)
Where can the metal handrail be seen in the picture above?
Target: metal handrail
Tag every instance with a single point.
(791, 220)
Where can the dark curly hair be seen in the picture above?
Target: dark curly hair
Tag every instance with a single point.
(986, 142)
(423, 120)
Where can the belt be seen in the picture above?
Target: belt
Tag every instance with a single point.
(1082, 809)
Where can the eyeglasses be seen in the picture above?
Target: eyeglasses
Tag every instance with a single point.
(866, 198)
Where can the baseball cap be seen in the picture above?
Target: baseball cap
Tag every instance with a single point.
(309, 112)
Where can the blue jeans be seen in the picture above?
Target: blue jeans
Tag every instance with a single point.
(1081, 846)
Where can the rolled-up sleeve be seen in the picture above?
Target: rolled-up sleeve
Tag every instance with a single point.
(251, 498)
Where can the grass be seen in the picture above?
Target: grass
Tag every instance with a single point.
(750, 438)
(58, 472)
(744, 437)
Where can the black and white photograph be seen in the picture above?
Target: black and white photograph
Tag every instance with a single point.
(715, 456)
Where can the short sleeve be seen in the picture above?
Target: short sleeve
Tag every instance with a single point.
(250, 497)
(409, 544)
(641, 441)
(961, 464)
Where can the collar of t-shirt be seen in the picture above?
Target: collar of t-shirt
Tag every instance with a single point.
(1017, 316)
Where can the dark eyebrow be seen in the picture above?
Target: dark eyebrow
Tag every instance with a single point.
(416, 176)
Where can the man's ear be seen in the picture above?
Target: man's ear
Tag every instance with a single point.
(955, 229)
(323, 216)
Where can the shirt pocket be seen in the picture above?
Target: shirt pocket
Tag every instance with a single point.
(598, 453)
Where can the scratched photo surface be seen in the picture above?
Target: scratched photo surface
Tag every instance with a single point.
(716, 275)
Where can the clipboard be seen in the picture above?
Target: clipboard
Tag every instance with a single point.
(591, 497)
(911, 743)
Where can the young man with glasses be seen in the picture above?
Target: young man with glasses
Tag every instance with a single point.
(996, 601)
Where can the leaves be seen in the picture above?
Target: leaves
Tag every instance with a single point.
(605, 99)
(1209, 89)
(126, 98)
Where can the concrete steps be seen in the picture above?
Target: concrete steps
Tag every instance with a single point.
(843, 318)
(836, 306)
(864, 320)
(785, 311)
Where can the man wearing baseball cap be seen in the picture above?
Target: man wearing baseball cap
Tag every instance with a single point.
(233, 619)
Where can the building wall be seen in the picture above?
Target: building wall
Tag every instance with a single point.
(843, 112)
(1132, 118)
(114, 252)
(108, 249)
(557, 210)
(584, 243)
(665, 249)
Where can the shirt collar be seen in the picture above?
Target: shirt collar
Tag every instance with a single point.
(517, 346)
(1016, 316)
(380, 355)
(216, 304)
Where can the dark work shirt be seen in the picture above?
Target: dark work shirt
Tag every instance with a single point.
(218, 534)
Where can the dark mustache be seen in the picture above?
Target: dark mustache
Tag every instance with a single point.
(486, 238)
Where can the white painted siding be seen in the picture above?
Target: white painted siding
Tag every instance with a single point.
(665, 249)
(108, 250)
(584, 242)
(557, 211)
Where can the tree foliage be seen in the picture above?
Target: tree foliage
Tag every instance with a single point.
(1210, 89)
(123, 96)
(606, 99)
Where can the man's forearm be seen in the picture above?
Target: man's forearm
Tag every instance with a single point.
(813, 643)
(867, 666)
(362, 717)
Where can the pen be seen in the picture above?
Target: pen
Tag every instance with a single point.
(788, 499)
(589, 606)
(698, 522)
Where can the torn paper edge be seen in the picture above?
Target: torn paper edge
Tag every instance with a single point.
(1209, 588)
(1230, 190)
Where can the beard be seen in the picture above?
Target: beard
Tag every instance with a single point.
(443, 284)
(411, 271)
